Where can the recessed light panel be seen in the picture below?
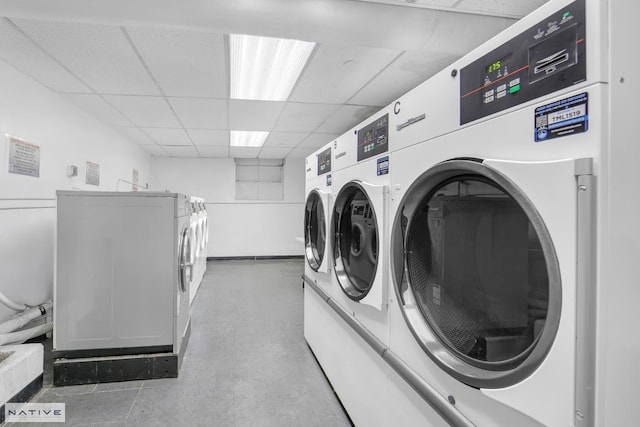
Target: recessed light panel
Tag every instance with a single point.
(265, 68)
(241, 138)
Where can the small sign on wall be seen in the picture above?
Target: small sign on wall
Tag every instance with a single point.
(93, 174)
(24, 158)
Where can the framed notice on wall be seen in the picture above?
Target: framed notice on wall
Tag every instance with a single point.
(24, 158)
(93, 174)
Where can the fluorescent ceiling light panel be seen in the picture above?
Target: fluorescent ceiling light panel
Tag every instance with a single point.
(241, 138)
(265, 68)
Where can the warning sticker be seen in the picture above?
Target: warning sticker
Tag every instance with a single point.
(24, 158)
(562, 118)
(383, 166)
(92, 174)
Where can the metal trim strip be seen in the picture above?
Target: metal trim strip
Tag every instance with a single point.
(434, 399)
(585, 295)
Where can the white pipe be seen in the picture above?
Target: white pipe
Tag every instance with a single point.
(146, 186)
(12, 305)
(25, 317)
(22, 336)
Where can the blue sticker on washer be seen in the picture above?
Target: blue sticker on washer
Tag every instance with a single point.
(562, 118)
(383, 165)
(329, 180)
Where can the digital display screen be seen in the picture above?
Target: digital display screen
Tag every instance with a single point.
(324, 161)
(498, 64)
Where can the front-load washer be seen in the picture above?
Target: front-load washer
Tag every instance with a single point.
(123, 263)
(317, 215)
(359, 222)
(318, 266)
(196, 221)
(205, 235)
(494, 229)
(359, 257)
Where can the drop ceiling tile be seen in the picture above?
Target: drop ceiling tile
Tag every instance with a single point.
(501, 7)
(184, 63)
(298, 117)
(168, 136)
(284, 139)
(98, 108)
(181, 150)
(411, 69)
(253, 115)
(209, 137)
(317, 140)
(298, 153)
(345, 118)
(201, 113)
(144, 111)
(212, 151)
(154, 150)
(244, 152)
(274, 153)
(135, 135)
(21, 53)
(336, 73)
(100, 55)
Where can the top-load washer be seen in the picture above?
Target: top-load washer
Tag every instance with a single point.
(493, 253)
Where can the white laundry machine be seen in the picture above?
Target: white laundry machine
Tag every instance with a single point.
(205, 235)
(358, 291)
(359, 222)
(494, 229)
(513, 234)
(317, 215)
(199, 232)
(121, 293)
(318, 271)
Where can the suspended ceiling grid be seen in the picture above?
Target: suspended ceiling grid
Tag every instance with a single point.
(157, 70)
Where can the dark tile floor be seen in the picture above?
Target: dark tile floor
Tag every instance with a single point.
(247, 363)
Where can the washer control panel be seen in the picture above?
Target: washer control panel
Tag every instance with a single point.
(373, 139)
(547, 57)
(324, 161)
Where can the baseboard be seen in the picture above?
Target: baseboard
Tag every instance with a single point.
(253, 258)
(100, 368)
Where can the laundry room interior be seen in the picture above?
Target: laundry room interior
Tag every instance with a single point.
(326, 213)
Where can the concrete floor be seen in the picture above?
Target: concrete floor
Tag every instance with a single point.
(247, 363)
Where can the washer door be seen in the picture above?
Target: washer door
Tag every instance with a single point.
(356, 240)
(185, 260)
(476, 274)
(315, 230)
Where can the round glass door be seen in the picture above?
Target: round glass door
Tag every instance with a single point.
(315, 235)
(478, 279)
(185, 259)
(355, 241)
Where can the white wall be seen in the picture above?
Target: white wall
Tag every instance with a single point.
(238, 228)
(66, 136)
